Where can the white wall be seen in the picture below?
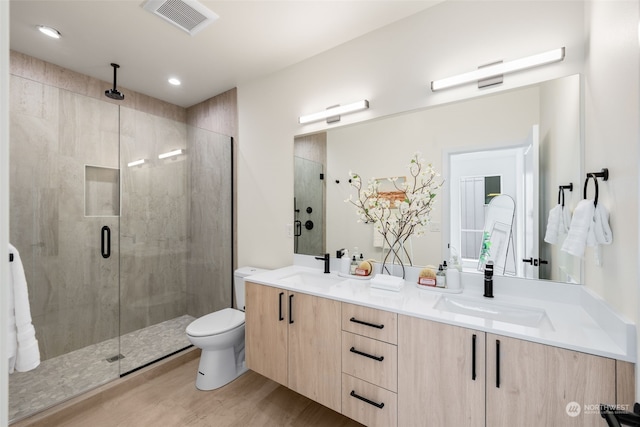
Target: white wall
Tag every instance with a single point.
(612, 126)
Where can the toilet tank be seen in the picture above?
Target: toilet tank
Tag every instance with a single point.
(238, 283)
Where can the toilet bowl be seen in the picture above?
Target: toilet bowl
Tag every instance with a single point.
(220, 335)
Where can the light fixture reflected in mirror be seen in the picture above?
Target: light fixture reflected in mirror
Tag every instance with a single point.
(499, 69)
(332, 112)
(136, 163)
(171, 153)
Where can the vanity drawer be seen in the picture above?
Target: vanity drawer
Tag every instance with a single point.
(370, 360)
(368, 404)
(370, 322)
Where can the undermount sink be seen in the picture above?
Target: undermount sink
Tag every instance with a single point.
(312, 279)
(502, 312)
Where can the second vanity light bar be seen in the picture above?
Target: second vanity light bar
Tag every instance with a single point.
(549, 57)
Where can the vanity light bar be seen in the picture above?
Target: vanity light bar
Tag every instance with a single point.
(136, 163)
(170, 154)
(549, 57)
(334, 111)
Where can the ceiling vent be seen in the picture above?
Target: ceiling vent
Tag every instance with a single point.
(188, 15)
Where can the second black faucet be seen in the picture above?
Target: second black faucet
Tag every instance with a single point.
(325, 258)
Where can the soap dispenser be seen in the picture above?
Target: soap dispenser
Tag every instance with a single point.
(441, 280)
(354, 265)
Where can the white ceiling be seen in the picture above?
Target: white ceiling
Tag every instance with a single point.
(250, 39)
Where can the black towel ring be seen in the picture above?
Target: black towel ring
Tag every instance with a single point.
(586, 183)
(604, 174)
(561, 189)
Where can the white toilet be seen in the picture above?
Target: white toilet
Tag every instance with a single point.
(220, 335)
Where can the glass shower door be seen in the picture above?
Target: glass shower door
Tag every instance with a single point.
(176, 233)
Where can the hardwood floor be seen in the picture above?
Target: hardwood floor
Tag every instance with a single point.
(171, 400)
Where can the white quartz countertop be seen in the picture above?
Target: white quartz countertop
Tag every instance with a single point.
(574, 318)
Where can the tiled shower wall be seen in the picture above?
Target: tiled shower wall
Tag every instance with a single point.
(57, 114)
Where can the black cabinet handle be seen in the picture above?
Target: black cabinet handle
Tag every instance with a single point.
(105, 242)
(364, 399)
(498, 363)
(378, 358)
(473, 357)
(373, 325)
(280, 316)
(291, 309)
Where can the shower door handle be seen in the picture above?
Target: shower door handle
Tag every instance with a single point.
(105, 242)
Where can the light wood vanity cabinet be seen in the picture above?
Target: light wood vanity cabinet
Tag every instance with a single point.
(530, 384)
(517, 383)
(440, 382)
(384, 369)
(294, 339)
(369, 365)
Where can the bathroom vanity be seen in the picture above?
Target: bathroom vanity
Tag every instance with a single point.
(528, 357)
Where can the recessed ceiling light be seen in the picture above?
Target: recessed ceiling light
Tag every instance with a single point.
(174, 81)
(49, 31)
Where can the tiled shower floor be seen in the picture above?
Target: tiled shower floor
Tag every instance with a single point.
(68, 375)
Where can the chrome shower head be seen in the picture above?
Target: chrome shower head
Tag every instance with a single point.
(114, 93)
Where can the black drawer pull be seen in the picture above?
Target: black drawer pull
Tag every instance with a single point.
(473, 357)
(280, 316)
(373, 325)
(291, 309)
(364, 399)
(378, 358)
(498, 363)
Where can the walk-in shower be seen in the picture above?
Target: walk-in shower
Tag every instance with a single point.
(122, 247)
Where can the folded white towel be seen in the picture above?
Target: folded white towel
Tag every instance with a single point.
(24, 353)
(387, 282)
(600, 231)
(576, 240)
(557, 224)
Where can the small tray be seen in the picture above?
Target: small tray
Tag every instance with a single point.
(353, 276)
(436, 289)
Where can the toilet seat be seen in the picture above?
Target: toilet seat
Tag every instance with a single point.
(216, 323)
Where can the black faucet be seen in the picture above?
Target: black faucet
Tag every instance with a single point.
(488, 279)
(325, 258)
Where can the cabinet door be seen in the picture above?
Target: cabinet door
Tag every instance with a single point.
(438, 384)
(314, 349)
(530, 384)
(266, 331)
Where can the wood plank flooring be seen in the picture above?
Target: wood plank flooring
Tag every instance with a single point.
(172, 400)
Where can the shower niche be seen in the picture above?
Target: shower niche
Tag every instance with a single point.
(101, 191)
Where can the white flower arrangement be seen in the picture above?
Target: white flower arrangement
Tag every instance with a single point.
(399, 214)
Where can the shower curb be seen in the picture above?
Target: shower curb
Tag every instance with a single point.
(58, 414)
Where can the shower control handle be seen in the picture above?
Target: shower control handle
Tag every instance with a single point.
(105, 242)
